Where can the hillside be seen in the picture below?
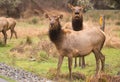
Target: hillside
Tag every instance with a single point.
(27, 8)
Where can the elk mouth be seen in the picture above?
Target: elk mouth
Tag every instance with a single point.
(76, 15)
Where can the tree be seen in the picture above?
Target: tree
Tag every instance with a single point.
(11, 7)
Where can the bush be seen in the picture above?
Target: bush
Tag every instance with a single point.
(117, 23)
(11, 7)
(28, 40)
(34, 20)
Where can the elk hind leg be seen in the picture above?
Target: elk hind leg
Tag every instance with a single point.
(83, 62)
(75, 65)
(97, 57)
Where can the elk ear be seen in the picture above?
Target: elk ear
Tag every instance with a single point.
(70, 6)
(46, 15)
(60, 16)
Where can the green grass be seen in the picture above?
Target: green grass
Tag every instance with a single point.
(42, 68)
(7, 79)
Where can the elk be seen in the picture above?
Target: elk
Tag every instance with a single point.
(77, 25)
(5, 25)
(3, 28)
(76, 43)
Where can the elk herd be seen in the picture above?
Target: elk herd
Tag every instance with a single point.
(73, 42)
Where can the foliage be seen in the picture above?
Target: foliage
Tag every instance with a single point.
(86, 3)
(113, 3)
(34, 20)
(11, 7)
(28, 40)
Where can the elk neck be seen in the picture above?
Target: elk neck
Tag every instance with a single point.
(55, 33)
(77, 24)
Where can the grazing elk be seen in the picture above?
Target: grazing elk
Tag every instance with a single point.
(3, 28)
(76, 43)
(77, 25)
(7, 24)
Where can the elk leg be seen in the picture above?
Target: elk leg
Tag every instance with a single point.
(11, 34)
(59, 64)
(79, 61)
(15, 34)
(13, 31)
(5, 36)
(97, 57)
(75, 65)
(83, 62)
(70, 66)
(102, 58)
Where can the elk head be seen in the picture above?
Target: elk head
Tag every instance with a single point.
(54, 20)
(77, 10)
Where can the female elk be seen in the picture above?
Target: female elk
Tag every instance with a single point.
(76, 43)
(77, 25)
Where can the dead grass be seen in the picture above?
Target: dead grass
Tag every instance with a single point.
(103, 77)
(29, 49)
(112, 38)
(63, 77)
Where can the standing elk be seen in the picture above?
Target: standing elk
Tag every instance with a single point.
(77, 25)
(76, 43)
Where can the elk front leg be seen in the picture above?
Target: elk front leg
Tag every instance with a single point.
(70, 66)
(59, 65)
(5, 36)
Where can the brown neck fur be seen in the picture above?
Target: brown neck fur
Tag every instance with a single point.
(55, 33)
(77, 24)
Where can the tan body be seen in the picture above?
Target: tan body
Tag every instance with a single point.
(76, 43)
(80, 43)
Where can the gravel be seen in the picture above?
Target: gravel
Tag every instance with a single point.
(20, 75)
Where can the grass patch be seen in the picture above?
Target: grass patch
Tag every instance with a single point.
(7, 79)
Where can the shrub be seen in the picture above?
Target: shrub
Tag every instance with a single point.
(28, 40)
(34, 20)
(117, 23)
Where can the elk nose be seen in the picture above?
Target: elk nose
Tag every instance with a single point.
(77, 12)
(51, 22)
